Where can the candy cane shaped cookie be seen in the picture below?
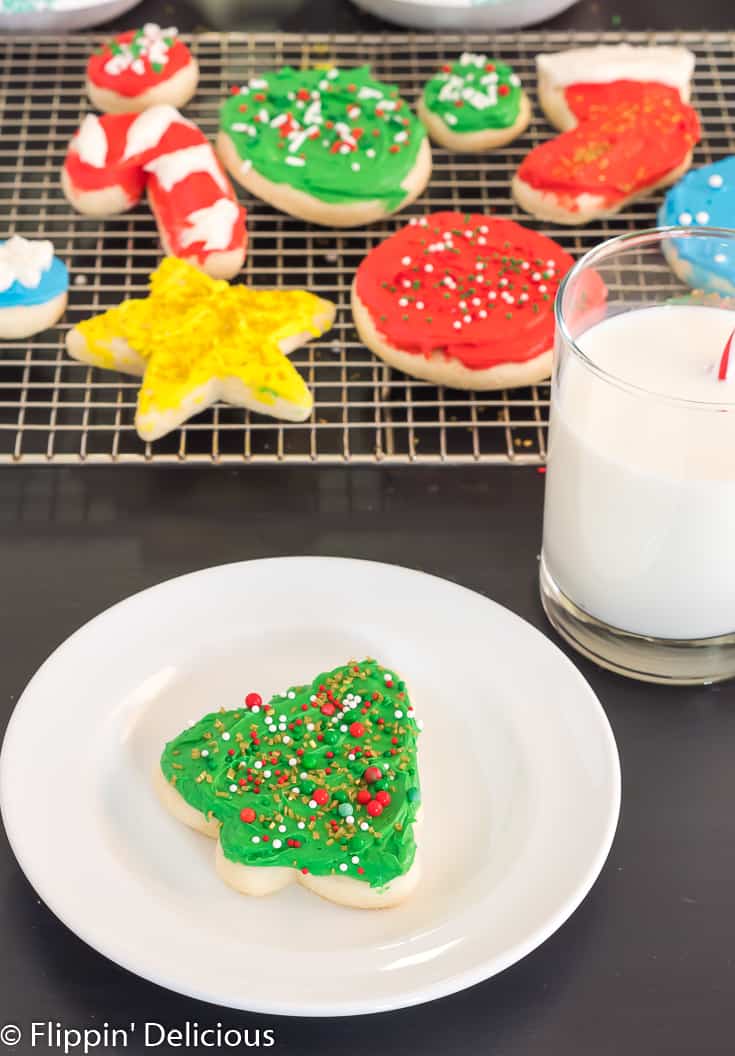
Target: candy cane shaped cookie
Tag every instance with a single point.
(627, 129)
(142, 68)
(113, 159)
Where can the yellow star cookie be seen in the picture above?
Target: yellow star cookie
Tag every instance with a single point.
(196, 340)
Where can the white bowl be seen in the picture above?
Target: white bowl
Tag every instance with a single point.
(48, 16)
(465, 14)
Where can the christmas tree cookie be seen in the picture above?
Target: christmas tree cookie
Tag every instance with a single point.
(331, 146)
(319, 786)
(474, 104)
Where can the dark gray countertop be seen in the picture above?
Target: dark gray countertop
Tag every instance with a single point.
(646, 965)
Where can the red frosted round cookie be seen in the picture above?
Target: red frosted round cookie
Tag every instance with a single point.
(140, 68)
(630, 137)
(462, 300)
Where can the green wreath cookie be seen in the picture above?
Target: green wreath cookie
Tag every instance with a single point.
(331, 146)
(475, 103)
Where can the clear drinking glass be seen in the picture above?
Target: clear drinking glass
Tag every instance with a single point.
(638, 561)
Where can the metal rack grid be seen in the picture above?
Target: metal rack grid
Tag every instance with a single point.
(53, 410)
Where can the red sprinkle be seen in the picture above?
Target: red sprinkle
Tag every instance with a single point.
(383, 798)
(374, 808)
(363, 796)
(253, 700)
(356, 730)
(321, 796)
(248, 815)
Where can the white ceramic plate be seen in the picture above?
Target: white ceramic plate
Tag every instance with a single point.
(455, 15)
(65, 16)
(519, 769)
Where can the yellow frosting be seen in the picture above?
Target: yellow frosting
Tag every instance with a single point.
(193, 329)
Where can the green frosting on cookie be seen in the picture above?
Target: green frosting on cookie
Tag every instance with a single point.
(474, 94)
(322, 778)
(337, 135)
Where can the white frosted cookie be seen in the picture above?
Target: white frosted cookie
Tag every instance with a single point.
(463, 301)
(317, 787)
(142, 68)
(627, 131)
(474, 104)
(329, 146)
(33, 287)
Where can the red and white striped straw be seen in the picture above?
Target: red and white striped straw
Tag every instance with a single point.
(727, 363)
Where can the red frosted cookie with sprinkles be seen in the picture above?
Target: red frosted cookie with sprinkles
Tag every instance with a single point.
(141, 68)
(627, 130)
(464, 301)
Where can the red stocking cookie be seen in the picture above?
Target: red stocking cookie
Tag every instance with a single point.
(142, 68)
(465, 301)
(114, 158)
(626, 130)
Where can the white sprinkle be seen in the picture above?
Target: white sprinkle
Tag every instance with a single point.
(233, 788)
(312, 803)
(286, 740)
(720, 258)
(355, 166)
(301, 825)
(405, 261)
(476, 301)
(283, 718)
(403, 303)
(281, 828)
(502, 282)
(685, 219)
(370, 153)
(702, 217)
(420, 306)
(467, 319)
(293, 160)
(351, 757)
(310, 726)
(191, 722)
(542, 288)
(715, 180)
(428, 268)
(267, 773)
(525, 265)
(293, 761)
(277, 845)
(364, 826)
(492, 295)
(258, 765)
(255, 709)
(225, 736)
(205, 753)
(296, 790)
(398, 714)
(349, 820)
(482, 313)
(343, 728)
(291, 695)
(457, 324)
(255, 839)
(355, 859)
(342, 867)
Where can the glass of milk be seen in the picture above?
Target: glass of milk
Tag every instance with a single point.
(638, 562)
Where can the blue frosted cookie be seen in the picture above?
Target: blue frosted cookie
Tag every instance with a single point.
(33, 287)
(705, 198)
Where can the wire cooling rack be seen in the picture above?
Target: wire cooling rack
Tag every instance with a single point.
(53, 410)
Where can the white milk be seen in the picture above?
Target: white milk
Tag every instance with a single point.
(639, 524)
